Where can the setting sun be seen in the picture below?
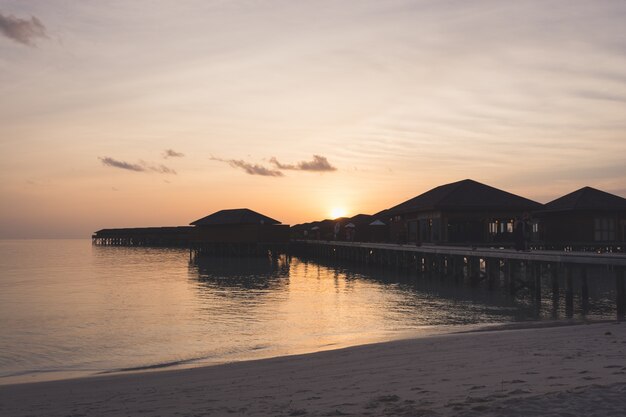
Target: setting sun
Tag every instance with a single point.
(338, 212)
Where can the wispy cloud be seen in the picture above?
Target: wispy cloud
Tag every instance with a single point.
(595, 95)
(23, 31)
(161, 169)
(171, 153)
(318, 163)
(138, 167)
(121, 164)
(249, 168)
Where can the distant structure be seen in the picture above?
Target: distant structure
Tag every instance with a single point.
(581, 218)
(238, 232)
(462, 213)
(177, 236)
(469, 213)
(361, 228)
(226, 232)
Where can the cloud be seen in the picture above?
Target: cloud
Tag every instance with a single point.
(171, 153)
(140, 167)
(251, 169)
(318, 164)
(121, 164)
(595, 95)
(22, 30)
(161, 169)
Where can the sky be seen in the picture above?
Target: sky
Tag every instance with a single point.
(158, 113)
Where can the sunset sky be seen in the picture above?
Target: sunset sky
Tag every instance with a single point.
(148, 113)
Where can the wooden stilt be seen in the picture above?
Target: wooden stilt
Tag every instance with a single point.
(537, 283)
(584, 293)
(620, 290)
(569, 291)
(554, 276)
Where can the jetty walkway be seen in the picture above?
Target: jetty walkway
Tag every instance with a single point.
(617, 259)
(517, 270)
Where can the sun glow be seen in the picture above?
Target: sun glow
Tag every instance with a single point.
(338, 212)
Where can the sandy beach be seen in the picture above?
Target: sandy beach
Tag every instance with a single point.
(555, 371)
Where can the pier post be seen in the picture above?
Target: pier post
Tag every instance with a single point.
(488, 272)
(459, 266)
(584, 289)
(474, 269)
(507, 273)
(514, 269)
(537, 283)
(554, 276)
(569, 291)
(620, 288)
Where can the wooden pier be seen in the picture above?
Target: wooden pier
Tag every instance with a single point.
(238, 249)
(516, 270)
(173, 237)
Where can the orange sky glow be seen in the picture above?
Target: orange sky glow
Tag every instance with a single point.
(119, 114)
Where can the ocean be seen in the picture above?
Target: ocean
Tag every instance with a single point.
(69, 309)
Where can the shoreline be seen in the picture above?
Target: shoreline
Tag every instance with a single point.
(42, 376)
(443, 374)
(195, 363)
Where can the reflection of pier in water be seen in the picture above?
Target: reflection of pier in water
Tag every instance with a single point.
(438, 300)
(516, 271)
(259, 273)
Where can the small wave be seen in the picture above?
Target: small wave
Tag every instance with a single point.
(221, 358)
(155, 365)
(28, 372)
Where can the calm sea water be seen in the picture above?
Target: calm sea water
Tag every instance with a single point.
(68, 309)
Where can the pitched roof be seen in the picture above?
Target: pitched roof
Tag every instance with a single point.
(587, 198)
(465, 195)
(234, 216)
(360, 219)
(383, 214)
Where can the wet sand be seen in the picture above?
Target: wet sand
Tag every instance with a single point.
(556, 371)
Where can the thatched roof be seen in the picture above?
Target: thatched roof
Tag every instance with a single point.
(587, 198)
(465, 195)
(234, 216)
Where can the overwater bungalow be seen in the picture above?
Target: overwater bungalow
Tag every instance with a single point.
(378, 230)
(239, 226)
(374, 228)
(356, 228)
(239, 232)
(587, 217)
(464, 212)
(300, 231)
